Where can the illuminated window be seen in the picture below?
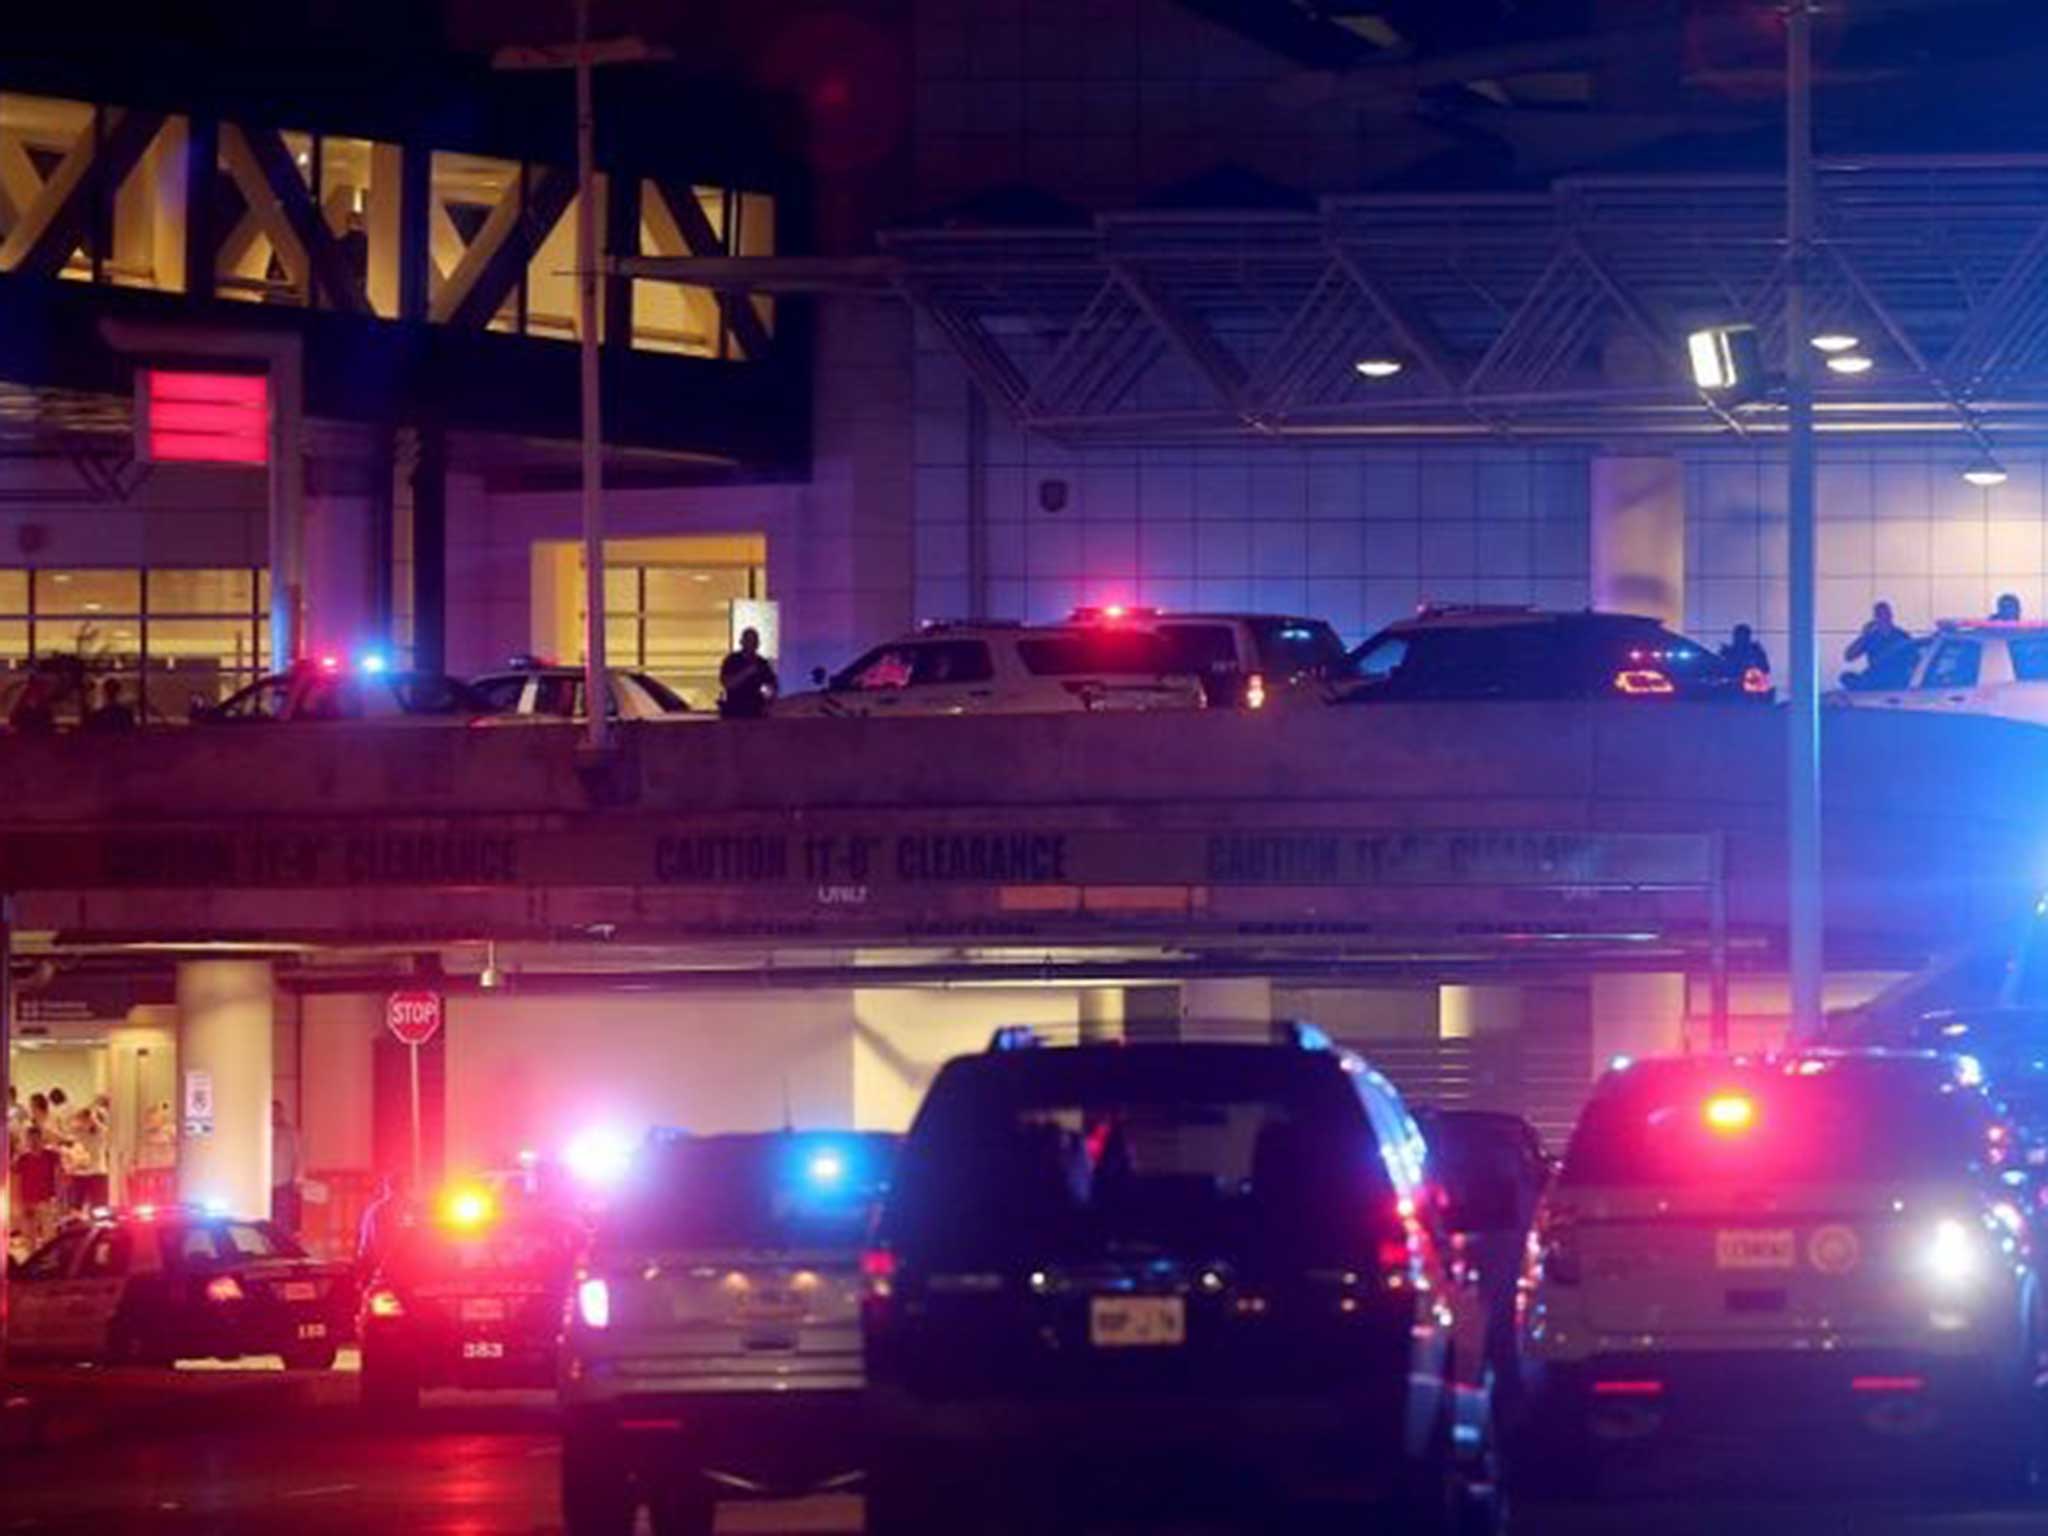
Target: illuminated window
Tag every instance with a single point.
(260, 259)
(551, 299)
(46, 145)
(169, 636)
(699, 221)
(146, 229)
(473, 208)
(360, 185)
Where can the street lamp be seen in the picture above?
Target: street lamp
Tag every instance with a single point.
(1727, 361)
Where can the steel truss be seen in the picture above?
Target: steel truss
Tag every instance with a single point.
(1545, 316)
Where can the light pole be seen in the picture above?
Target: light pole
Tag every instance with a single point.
(1804, 918)
(582, 57)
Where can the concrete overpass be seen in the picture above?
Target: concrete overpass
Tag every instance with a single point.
(1453, 837)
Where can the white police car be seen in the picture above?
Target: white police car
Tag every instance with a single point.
(1971, 668)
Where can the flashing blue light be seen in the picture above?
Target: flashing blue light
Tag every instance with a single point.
(213, 1205)
(1969, 1071)
(1621, 1063)
(1015, 1037)
(372, 662)
(826, 1168)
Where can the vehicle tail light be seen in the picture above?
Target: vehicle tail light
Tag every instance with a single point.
(1755, 680)
(1729, 1113)
(1887, 1384)
(1255, 691)
(223, 1288)
(384, 1302)
(1641, 681)
(1628, 1387)
(878, 1269)
(594, 1302)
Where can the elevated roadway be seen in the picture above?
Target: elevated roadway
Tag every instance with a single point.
(1444, 838)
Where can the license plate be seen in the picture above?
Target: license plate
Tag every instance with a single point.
(483, 1309)
(312, 1330)
(300, 1290)
(483, 1349)
(1774, 1249)
(1137, 1322)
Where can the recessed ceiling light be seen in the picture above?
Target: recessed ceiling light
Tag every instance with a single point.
(1835, 341)
(1851, 363)
(1379, 367)
(1986, 475)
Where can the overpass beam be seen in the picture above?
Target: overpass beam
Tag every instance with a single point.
(224, 1062)
(1638, 537)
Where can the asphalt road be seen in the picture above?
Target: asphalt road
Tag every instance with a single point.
(487, 1467)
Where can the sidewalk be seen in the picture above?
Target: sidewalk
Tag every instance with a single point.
(45, 1408)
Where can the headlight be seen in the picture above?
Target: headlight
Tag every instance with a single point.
(594, 1303)
(1954, 1257)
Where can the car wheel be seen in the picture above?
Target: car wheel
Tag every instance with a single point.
(597, 1492)
(682, 1511)
(388, 1388)
(904, 1499)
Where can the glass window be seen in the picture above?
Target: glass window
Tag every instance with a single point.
(682, 317)
(259, 701)
(359, 192)
(176, 592)
(1200, 648)
(37, 136)
(551, 292)
(663, 695)
(1109, 652)
(879, 670)
(1954, 664)
(260, 259)
(950, 661)
(85, 592)
(2029, 658)
(1380, 659)
(559, 696)
(501, 695)
(473, 203)
(1289, 647)
(53, 1262)
(106, 1258)
(255, 1240)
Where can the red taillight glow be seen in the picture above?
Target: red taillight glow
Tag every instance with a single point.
(1642, 681)
(1729, 1113)
(878, 1268)
(1755, 680)
(1628, 1388)
(1888, 1384)
(1114, 611)
(1255, 691)
(384, 1302)
(223, 1288)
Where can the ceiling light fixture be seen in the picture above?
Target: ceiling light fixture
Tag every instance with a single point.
(1379, 367)
(1986, 474)
(1832, 342)
(1851, 363)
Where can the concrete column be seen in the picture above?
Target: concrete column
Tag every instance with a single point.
(1637, 1015)
(1127, 1013)
(1234, 1003)
(1473, 1013)
(224, 1033)
(1638, 537)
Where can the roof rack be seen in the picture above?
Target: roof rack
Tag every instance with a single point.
(1472, 610)
(940, 626)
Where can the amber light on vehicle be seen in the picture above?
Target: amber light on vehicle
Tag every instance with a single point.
(1638, 681)
(1730, 1113)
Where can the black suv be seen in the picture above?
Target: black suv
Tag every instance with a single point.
(1171, 1272)
(1528, 653)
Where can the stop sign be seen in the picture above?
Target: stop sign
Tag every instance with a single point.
(414, 1017)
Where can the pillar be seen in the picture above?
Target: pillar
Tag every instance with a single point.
(1637, 1015)
(1233, 1005)
(1475, 1013)
(1638, 537)
(1107, 1014)
(224, 1055)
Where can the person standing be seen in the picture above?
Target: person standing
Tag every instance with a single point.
(112, 713)
(35, 1189)
(746, 680)
(284, 1170)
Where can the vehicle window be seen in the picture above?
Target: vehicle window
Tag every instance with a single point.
(501, 695)
(1203, 649)
(254, 1240)
(753, 1192)
(259, 701)
(106, 1257)
(558, 696)
(2029, 657)
(331, 698)
(538, 1248)
(1378, 660)
(1829, 1126)
(951, 661)
(53, 1260)
(881, 669)
(194, 1248)
(1119, 652)
(1954, 664)
(429, 694)
(1081, 1153)
(671, 702)
(1288, 647)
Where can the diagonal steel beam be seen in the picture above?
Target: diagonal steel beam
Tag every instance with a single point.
(491, 279)
(1905, 343)
(325, 260)
(742, 320)
(1185, 334)
(63, 212)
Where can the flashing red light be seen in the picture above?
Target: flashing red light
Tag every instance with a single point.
(650, 1426)
(204, 418)
(384, 1302)
(878, 1266)
(1114, 611)
(330, 663)
(1628, 1388)
(223, 1288)
(1643, 681)
(1755, 680)
(1729, 1113)
(145, 1213)
(1888, 1384)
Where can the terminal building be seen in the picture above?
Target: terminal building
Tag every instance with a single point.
(1083, 324)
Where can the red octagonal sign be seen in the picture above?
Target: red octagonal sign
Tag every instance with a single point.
(415, 1017)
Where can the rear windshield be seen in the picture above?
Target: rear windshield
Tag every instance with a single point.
(766, 1192)
(1096, 653)
(669, 700)
(223, 1244)
(1829, 1127)
(527, 1248)
(1200, 649)
(1289, 646)
(1221, 1152)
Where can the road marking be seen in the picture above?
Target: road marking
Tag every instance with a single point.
(325, 1490)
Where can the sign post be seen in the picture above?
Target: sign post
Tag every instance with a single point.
(414, 1018)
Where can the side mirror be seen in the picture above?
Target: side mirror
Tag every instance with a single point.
(819, 676)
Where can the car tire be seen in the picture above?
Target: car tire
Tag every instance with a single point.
(903, 1500)
(388, 1388)
(597, 1488)
(682, 1510)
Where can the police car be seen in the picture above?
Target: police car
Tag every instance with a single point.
(534, 690)
(330, 689)
(1244, 660)
(713, 1348)
(1828, 1243)
(1987, 668)
(153, 1285)
(1004, 669)
(471, 1296)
